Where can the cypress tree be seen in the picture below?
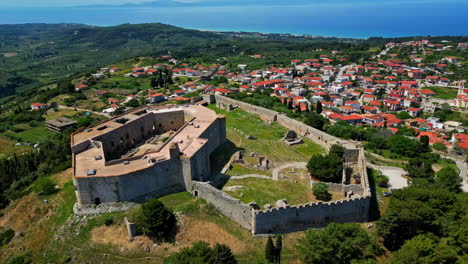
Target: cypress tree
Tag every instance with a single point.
(270, 250)
(318, 109)
(278, 248)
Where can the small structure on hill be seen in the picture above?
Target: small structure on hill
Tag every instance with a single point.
(57, 125)
(292, 139)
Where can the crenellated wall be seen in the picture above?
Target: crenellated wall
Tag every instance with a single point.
(296, 218)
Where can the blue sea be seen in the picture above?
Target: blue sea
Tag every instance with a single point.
(393, 18)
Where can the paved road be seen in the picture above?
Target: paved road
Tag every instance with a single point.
(394, 174)
(463, 174)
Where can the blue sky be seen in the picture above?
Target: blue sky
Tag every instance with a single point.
(57, 3)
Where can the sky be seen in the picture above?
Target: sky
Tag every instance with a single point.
(64, 3)
(60, 3)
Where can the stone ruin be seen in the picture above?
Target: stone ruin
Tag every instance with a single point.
(263, 163)
(292, 139)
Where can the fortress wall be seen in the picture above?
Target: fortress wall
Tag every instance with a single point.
(196, 167)
(297, 218)
(314, 134)
(80, 147)
(162, 178)
(119, 140)
(236, 210)
(104, 188)
(216, 134)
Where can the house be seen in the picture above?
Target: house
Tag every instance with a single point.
(57, 125)
(355, 105)
(98, 75)
(435, 123)
(179, 92)
(222, 91)
(156, 98)
(451, 59)
(38, 106)
(112, 70)
(101, 93)
(427, 93)
(369, 109)
(81, 87)
(415, 74)
(413, 111)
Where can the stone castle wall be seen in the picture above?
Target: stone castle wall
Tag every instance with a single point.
(231, 207)
(159, 179)
(301, 217)
(314, 134)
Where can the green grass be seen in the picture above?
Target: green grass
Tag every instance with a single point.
(268, 142)
(443, 92)
(7, 147)
(61, 112)
(33, 135)
(264, 191)
(239, 169)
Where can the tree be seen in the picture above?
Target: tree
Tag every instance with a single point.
(417, 209)
(335, 244)
(420, 168)
(402, 145)
(315, 120)
(449, 179)
(154, 82)
(318, 108)
(424, 250)
(320, 191)
(278, 248)
(327, 167)
(404, 115)
(157, 221)
(65, 86)
(270, 250)
(201, 253)
(223, 255)
(439, 146)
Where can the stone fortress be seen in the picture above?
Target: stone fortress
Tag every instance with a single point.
(153, 152)
(122, 160)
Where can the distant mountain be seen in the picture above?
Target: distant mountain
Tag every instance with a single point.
(171, 3)
(41, 53)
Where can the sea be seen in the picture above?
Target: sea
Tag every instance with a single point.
(354, 19)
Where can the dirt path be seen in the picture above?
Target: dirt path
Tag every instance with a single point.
(297, 165)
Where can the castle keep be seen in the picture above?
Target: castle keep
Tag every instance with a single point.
(146, 153)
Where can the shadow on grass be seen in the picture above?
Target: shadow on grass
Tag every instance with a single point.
(220, 157)
(374, 211)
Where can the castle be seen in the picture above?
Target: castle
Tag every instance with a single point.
(125, 159)
(153, 152)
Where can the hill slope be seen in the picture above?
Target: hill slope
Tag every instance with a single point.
(40, 53)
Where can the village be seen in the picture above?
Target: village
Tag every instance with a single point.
(385, 93)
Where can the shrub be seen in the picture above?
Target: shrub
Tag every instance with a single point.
(45, 186)
(200, 252)
(321, 191)
(6, 236)
(108, 220)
